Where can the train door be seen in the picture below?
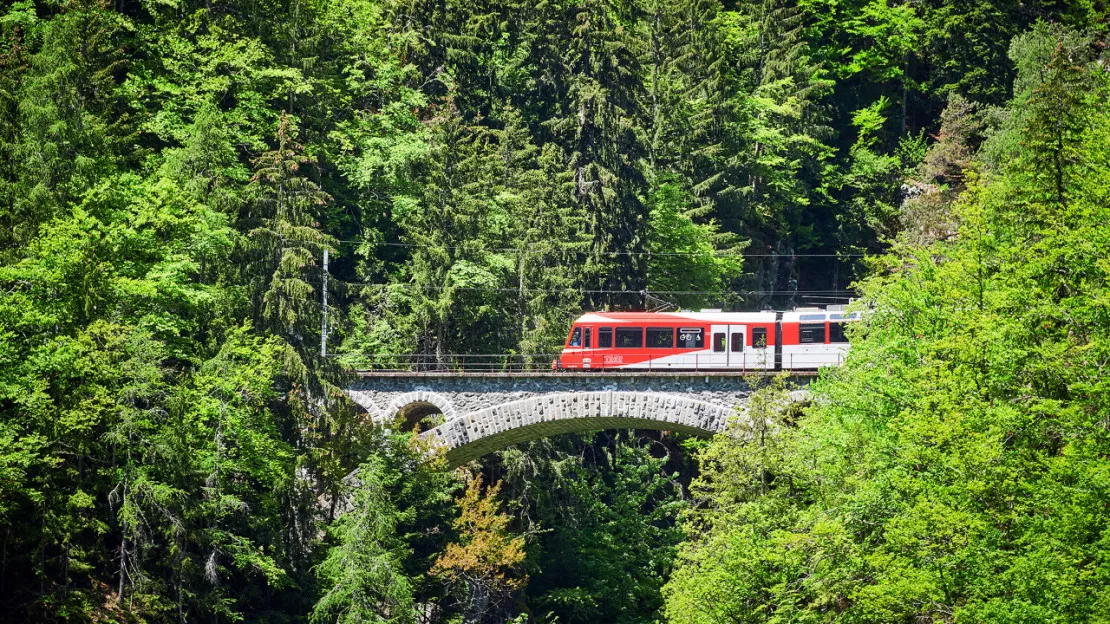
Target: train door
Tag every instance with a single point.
(718, 343)
(587, 346)
(737, 336)
(721, 354)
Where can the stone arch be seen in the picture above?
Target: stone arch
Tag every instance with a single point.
(419, 404)
(494, 428)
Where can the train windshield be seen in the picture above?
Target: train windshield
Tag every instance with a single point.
(575, 338)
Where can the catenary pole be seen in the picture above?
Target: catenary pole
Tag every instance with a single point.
(324, 322)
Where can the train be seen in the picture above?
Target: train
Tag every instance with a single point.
(708, 340)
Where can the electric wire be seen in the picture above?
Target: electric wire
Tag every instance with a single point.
(830, 293)
(518, 250)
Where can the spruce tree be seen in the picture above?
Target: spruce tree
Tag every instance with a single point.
(605, 89)
(452, 281)
(770, 163)
(547, 233)
(1059, 117)
(14, 65)
(286, 240)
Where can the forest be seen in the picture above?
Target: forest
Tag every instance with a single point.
(176, 446)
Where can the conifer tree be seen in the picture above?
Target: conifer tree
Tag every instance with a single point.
(605, 93)
(286, 240)
(1058, 118)
(455, 270)
(687, 89)
(14, 65)
(941, 177)
(72, 119)
(547, 233)
(364, 574)
(770, 165)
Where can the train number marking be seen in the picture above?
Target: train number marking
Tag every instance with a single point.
(614, 359)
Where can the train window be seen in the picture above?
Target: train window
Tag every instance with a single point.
(718, 342)
(811, 333)
(812, 317)
(759, 337)
(575, 338)
(737, 342)
(604, 337)
(588, 342)
(691, 338)
(630, 337)
(660, 338)
(836, 333)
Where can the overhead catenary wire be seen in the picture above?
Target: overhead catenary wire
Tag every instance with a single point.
(586, 252)
(331, 279)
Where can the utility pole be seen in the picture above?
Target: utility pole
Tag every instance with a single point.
(324, 322)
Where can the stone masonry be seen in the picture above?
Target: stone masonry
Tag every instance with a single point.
(485, 413)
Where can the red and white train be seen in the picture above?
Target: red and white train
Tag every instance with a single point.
(805, 339)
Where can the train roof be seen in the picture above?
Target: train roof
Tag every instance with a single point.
(676, 317)
(816, 316)
(799, 315)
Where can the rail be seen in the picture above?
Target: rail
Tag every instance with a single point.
(535, 363)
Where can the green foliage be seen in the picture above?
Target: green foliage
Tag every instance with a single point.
(601, 512)
(173, 446)
(687, 255)
(953, 469)
(363, 572)
(286, 240)
(73, 121)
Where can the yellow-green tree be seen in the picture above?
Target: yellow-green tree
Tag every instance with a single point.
(486, 561)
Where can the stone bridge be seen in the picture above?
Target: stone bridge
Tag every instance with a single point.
(482, 413)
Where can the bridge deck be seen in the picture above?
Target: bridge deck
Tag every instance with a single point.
(533, 366)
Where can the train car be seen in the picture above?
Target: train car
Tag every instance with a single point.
(707, 340)
(813, 338)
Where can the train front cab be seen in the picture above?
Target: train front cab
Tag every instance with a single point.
(577, 347)
(605, 343)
